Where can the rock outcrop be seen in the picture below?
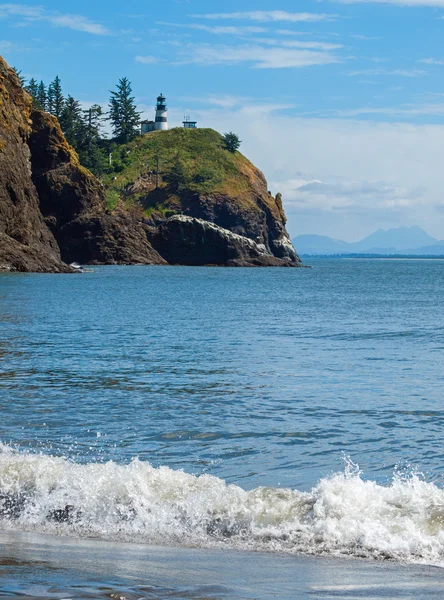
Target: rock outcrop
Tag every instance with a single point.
(203, 205)
(190, 173)
(72, 202)
(107, 239)
(190, 241)
(26, 243)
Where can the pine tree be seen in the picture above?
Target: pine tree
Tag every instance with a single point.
(71, 122)
(32, 88)
(177, 178)
(123, 112)
(20, 76)
(42, 97)
(92, 155)
(56, 101)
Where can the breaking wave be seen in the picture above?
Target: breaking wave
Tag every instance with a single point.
(342, 515)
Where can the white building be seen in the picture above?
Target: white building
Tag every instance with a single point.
(161, 122)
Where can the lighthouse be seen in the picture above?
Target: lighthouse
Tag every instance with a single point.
(161, 123)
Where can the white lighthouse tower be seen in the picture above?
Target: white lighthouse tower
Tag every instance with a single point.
(161, 123)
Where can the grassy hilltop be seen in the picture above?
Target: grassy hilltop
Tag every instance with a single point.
(191, 162)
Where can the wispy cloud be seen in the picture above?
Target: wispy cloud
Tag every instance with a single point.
(340, 194)
(397, 72)
(38, 13)
(270, 15)
(358, 36)
(423, 3)
(245, 105)
(431, 61)
(146, 60)
(406, 110)
(303, 44)
(5, 46)
(217, 29)
(261, 57)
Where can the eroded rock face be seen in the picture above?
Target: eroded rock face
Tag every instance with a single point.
(190, 241)
(66, 189)
(53, 210)
(26, 244)
(72, 201)
(110, 239)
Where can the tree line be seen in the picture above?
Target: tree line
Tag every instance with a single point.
(84, 128)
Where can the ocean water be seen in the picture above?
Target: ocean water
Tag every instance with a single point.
(296, 412)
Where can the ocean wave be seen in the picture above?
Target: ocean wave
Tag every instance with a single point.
(342, 515)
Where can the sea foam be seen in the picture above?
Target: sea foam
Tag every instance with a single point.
(343, 515)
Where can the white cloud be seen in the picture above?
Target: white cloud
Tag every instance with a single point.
(397, 72)
(311, 45)
(410, 110)
(38, 13)
(261, 57)
(5, 46)
(291, 32)
(345, 194)
(358, 36)
(431, 61)
(343, 175)
(217, 29)
(224, 101)
(146, 60)
(271, 15)
(418, 3)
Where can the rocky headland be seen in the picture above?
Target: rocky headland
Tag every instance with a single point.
(174, 197)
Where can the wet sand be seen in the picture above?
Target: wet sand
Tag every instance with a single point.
(40, 566)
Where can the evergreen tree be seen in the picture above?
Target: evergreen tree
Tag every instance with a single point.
(56, 101)
(123, 112)
(177, 178)
(42, 97)
(71, 122)
(92, 155)
(32, 88)
(20, 76)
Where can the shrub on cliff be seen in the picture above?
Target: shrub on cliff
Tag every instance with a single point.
(232, 142)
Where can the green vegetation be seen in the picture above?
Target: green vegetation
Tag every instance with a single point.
(156, 169)
(123, 112)
(232, 142)
(179, 161)
(84, 128)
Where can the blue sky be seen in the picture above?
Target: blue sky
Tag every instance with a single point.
(341, 104)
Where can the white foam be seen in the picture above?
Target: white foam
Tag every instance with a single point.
(342, 515)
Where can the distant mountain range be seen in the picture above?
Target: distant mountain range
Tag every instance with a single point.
(401, 240)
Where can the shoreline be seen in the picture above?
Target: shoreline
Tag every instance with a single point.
(91, 568)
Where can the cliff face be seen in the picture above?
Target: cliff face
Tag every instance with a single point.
(26, 244)
(51, 208)
(190, 173)
(175, 197)
(72, 202)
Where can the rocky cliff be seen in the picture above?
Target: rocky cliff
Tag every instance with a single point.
(189, 173)
(26, 244)
(176, 197)
(72, 202)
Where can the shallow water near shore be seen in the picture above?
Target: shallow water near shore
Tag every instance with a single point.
(295, 412)
(45, 567)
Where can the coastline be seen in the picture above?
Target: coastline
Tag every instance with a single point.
(58, 566)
